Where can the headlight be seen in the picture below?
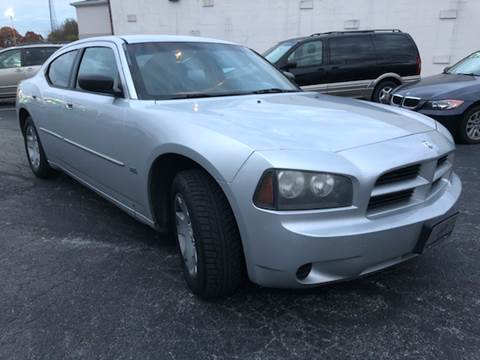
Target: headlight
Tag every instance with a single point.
(302, 190)
(443, 104)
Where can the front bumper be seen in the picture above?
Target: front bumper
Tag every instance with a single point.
(340, 244)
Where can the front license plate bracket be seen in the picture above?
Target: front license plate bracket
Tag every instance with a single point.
(433, 234)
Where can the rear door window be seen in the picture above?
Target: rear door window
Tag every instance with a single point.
(36, 56)
(346, 50)
(60, 69)
(395, 46)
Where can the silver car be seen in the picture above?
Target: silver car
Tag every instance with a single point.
(20, 63)
(206, 140)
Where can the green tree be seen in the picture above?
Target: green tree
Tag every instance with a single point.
(67, 32)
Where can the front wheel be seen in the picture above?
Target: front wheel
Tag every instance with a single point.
(207, 235)
(469, 129)
(383, 90)
(36, 156)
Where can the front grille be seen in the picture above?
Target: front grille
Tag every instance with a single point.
(406, 173)
(406, 102)
(395, 198)
(397, 100)
(411, 103)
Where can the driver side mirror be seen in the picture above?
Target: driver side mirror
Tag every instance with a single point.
(99, 84)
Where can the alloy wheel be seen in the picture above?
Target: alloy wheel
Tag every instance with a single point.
(33, 147)
(473, 126)
(185, 237)
(384, 94)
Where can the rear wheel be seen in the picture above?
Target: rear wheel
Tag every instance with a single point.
(383, 90)
(36, 156)
(207, 235)
(469, 129)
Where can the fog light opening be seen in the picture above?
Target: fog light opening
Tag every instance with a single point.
(303, 271)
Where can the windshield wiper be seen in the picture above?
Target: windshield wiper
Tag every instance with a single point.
(272, 91)
(469, 74)
(208, 95)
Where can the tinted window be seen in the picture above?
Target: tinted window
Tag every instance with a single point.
(10, 59)
(394, 46)
(185, 69)
(350, 49)
(308, 54)
(61, 69)
(99, 61)
(36, 56)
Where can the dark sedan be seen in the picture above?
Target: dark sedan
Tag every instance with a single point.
(452, 98)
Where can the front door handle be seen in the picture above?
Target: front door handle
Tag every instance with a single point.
(19, 70)
(69, 106)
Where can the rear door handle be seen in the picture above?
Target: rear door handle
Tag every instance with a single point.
(69, 106)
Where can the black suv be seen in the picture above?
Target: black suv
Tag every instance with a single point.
(361, 64)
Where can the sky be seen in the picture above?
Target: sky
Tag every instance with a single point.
(33, 15)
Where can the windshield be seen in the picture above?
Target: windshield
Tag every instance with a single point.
(468, 66)
(164, 70)
(276, 53)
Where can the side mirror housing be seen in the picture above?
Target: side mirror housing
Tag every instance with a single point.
(446, 69)
(99, 84)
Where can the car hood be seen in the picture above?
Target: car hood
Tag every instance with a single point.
(295, 120)
(439, 86)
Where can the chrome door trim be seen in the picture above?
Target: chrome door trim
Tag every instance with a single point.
(93, 152)
(52, 133)
(116, 202)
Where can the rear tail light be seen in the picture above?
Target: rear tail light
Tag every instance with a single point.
(419, 65)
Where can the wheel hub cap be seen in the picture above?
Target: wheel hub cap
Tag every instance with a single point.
(185, 237)
(33, 148)
(473, 126)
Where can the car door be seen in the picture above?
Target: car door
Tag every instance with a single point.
(11, 72)
(33, 59)
(352, 65)
(95, 127)
(51, 116)
(306, 62)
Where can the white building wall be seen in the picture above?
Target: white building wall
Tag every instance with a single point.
(444, 30)
(93, 21)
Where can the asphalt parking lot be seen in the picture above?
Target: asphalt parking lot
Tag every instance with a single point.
(79, 279)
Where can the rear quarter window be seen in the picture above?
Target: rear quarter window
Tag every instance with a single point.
(395, 46)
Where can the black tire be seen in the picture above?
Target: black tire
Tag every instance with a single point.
(462, 134)
(220, 262)
(40, 169)
(384, 85)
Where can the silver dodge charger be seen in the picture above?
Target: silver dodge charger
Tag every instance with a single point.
(204, 139)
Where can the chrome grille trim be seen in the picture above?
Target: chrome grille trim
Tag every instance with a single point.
(407, 102)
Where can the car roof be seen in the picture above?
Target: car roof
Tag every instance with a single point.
(342, 33)
(136, 39)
